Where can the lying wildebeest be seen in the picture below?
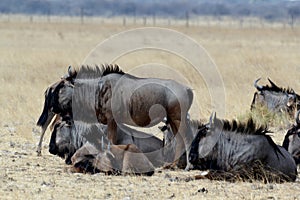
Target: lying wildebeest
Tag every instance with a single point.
(115, 97)
(68, 136)
(52, 104)
(276, 99)
(292, 140)
(230, 150)
(112, 159)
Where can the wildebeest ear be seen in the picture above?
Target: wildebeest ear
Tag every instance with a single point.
(212, 120)
(100, 84)
(70, 70)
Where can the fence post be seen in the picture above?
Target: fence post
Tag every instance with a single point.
(82, 15)
(187, 18)
(124, 21)
(48, 15)
(145, 21)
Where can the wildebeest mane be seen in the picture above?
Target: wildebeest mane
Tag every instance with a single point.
(90, 72)
(112, 68)
(275, 88)
(247, 128)
(250, 128)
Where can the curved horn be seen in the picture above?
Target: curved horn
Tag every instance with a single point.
(212, 119)
(297, 117)
(272, 83)
(258, 87)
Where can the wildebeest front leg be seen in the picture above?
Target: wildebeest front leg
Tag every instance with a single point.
(182, 132)
(112, 131)
(44, 128)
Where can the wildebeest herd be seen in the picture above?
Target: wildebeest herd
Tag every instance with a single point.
(91, 107)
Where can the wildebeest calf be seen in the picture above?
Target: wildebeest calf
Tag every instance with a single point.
(114, 159)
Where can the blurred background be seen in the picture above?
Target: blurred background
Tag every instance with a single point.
(189, 12)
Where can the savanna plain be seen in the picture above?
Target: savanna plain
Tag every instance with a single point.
(34, 55)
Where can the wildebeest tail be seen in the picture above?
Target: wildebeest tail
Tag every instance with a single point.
(43, 118)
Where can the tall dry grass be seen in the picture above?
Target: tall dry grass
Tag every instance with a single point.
(33, 55)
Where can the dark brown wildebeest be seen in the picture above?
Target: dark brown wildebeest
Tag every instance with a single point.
(115, 97)
(291, 140)
(112, 159)
(123, 98)
(230, 150)
(276, 99)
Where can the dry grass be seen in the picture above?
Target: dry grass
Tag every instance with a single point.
(33, 55)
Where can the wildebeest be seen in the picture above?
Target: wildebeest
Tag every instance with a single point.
(68, 136)
(276, 99)
(53, 105)
(121, 98)
(232, 149)
(292, 140)
(112, 159)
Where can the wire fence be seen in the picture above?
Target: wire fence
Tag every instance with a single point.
(195, 21)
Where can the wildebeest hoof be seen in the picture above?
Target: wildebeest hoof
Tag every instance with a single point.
(188, 167)
(39, 153)
(68, 161)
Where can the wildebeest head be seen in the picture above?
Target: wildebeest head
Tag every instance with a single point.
(202, 146)
(292, 140)
(58, 98)
(275, 98)
(60, 142)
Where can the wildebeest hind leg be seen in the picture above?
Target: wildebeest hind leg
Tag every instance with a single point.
(112, 131)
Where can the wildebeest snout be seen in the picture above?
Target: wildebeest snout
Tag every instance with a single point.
(53, 148)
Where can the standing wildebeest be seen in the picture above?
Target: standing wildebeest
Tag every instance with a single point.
(276, 99)
(240, 150)
(115, 97)
(292, 140)
(123, 98)
(112, 159)
(53, 105)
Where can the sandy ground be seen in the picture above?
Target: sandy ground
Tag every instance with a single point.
(24, 175)
(33, 55)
